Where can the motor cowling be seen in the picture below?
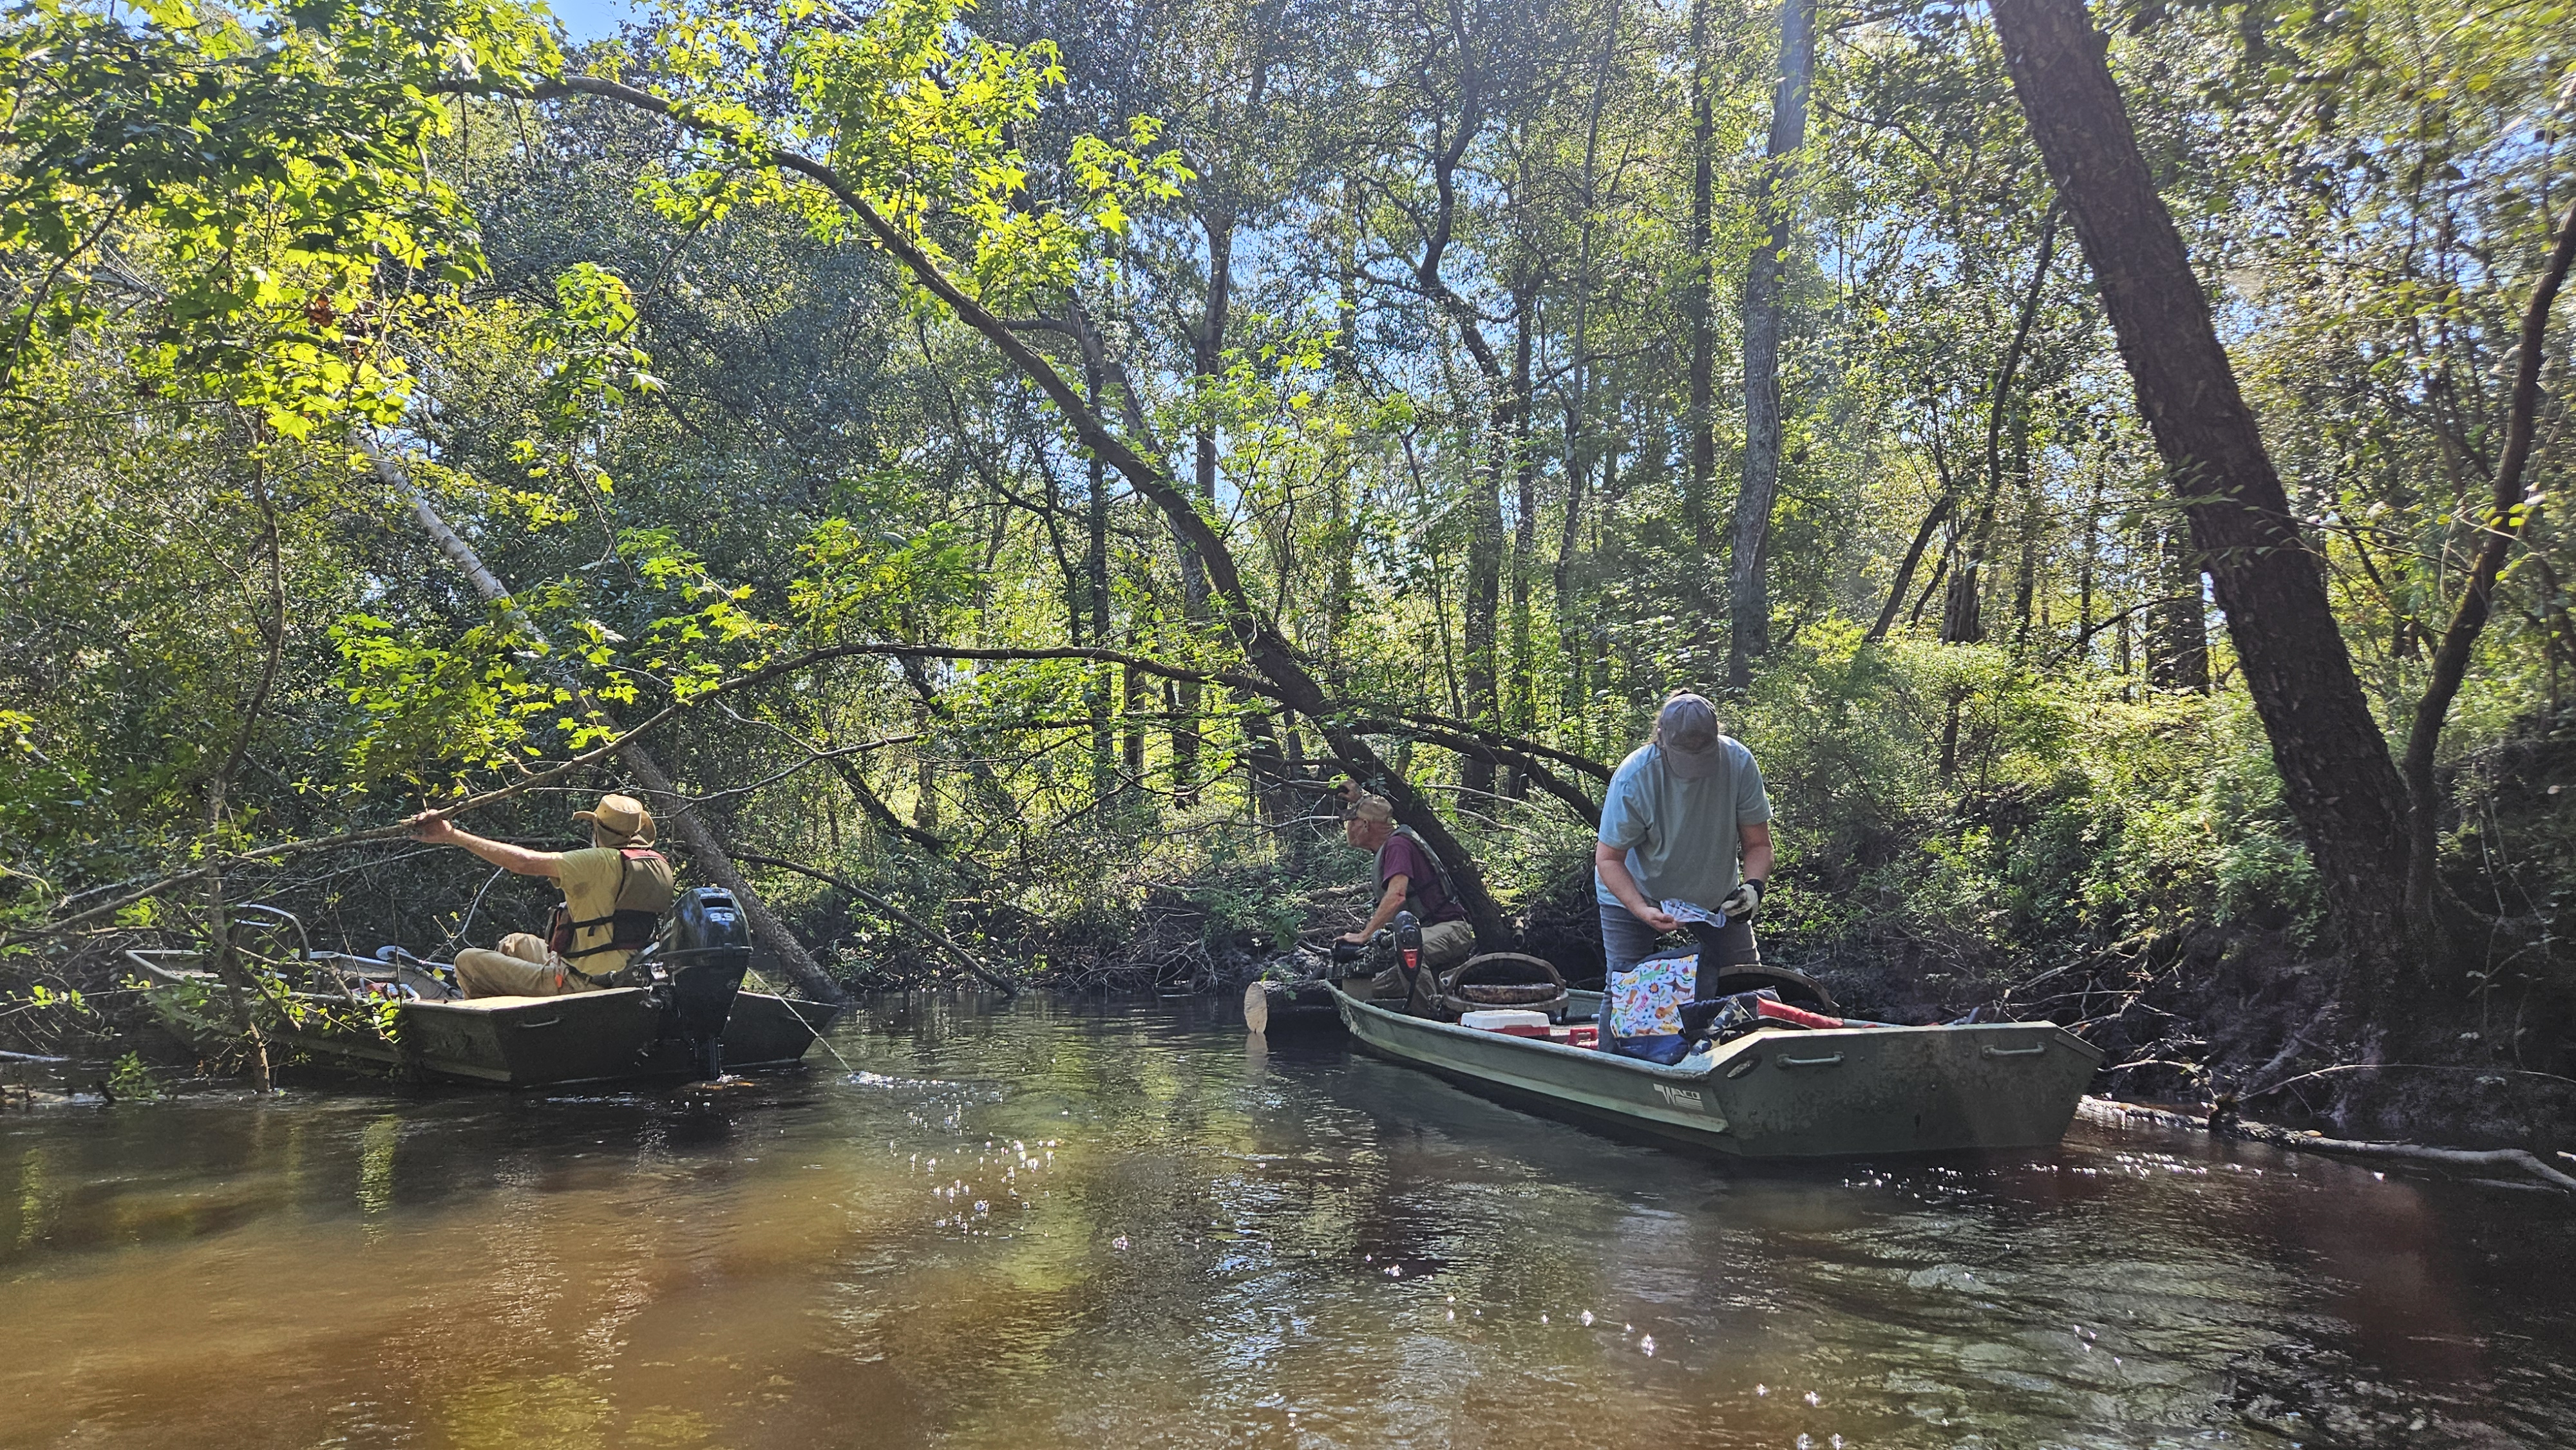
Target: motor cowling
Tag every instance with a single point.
(702, 951)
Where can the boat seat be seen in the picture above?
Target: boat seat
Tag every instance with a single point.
(1502, 979)
(1795, 987)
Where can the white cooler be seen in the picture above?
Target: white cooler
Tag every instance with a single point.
(1503, 1019)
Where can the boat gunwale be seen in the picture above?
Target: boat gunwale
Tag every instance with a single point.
(1725, 1055)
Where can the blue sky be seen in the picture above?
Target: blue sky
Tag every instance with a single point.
(591, 19)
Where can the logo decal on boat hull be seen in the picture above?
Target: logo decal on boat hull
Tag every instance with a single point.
(1680, 1097)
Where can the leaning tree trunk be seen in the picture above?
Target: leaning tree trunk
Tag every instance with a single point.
(2336, 774)
(1272, 654)
(1748, 598)
(705, 852)
(2507, 516)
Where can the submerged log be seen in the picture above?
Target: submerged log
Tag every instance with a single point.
(2114, 1113)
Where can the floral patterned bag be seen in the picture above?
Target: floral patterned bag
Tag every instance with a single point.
(1643, 1006)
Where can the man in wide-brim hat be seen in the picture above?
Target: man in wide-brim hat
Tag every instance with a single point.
(1685, 819)
(612, 893)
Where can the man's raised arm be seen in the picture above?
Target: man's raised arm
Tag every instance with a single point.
(438, 831)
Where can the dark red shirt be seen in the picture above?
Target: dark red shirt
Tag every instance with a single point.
(1422, 894)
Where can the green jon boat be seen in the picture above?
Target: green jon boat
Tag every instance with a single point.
(1788, 1093)
(619, 1035)
(690, 1018)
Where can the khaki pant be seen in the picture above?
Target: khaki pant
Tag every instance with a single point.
(523, 967)
(1447, 943)
(1444, 945)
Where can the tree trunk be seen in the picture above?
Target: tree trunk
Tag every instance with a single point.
(1207, 363)
(1962, 609)
(1134, 697)
(2092, 545)
(1765, 279)
(2026, 577)
(1095, 577)
(2177, 637)
(1264, 765)
(1483, 603)
(1520, 711)
(2336, 775)
(1932, 520)
(1696, 304)
(223, 958)
(2508, 514)
(1489, 455)
(1578, 442)
(1963, 606)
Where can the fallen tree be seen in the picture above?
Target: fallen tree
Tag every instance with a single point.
(2114, 1113)
(704, 850)
(1288, 676)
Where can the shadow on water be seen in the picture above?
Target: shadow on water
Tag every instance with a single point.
(1119, 1223)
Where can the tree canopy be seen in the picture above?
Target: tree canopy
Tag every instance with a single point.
(997, 467)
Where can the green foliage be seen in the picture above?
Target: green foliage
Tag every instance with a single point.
(271, 168)
(133, 1080)
(859, 581)
(462, 700)
(691, 414)
(2071, 816)
(919, 116)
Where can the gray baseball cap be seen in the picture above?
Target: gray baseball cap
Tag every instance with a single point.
(1687, 730)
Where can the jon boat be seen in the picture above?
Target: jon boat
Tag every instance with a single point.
(694, 1021)
(1784, 1093)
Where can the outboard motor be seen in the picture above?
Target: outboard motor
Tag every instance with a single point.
(702, 951)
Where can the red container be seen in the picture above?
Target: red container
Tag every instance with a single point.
(1576, 1036)
(1783, 1012)
(1527, 1029)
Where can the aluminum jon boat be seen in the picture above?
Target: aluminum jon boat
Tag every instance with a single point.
(1823, 1093)
(687, 1018)
(619, 1035)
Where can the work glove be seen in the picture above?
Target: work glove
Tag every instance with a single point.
(1743, 901)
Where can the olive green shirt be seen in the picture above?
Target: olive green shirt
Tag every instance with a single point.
(590, 878)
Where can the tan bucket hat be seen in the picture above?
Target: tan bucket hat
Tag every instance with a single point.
(622, 817)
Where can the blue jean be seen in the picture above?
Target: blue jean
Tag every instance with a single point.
(1625, 940)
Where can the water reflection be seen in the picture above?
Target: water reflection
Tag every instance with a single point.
(1113, 1225)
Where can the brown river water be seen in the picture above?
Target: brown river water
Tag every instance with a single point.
(1118, 1224)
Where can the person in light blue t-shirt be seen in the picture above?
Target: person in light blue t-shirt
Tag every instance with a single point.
(1686, 819)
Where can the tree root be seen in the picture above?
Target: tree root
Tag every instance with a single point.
(2114, 1113)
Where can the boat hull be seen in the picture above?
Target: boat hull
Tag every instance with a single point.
(1841, 1092)
(617, 1035)
(610, 1036)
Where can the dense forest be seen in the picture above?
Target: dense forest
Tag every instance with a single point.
(985, 474)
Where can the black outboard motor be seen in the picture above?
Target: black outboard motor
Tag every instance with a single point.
(702, 951)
